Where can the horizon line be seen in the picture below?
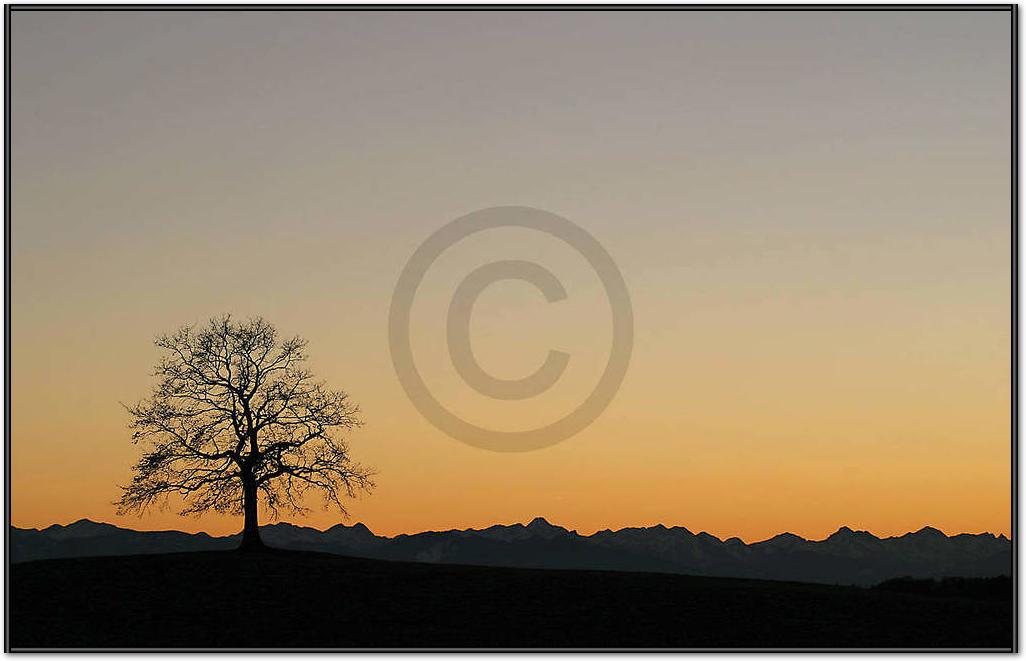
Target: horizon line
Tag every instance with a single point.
(535, 519)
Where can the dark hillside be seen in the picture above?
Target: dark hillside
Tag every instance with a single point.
(302, 599)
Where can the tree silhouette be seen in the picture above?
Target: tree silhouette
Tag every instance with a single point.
(235, 415)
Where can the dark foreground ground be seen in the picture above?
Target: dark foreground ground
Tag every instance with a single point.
(296, 599)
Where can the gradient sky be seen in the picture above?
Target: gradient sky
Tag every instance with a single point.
(811, 211)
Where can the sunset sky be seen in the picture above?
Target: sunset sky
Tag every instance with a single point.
(811, 211)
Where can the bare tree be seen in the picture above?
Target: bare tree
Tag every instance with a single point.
(235, 415)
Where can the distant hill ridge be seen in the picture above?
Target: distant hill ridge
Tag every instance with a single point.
(845, 557)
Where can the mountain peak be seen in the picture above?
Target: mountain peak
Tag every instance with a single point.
(539, 527)
(357, 527)
(844, 532)
(285, 525)
(929, 531)
(82, 523)
(80, 528)
(784, 539)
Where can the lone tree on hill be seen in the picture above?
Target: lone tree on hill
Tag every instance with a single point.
(236, 415)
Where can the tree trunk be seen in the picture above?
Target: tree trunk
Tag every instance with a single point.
(251, 529)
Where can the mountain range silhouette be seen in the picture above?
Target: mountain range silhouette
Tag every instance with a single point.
(848, 557)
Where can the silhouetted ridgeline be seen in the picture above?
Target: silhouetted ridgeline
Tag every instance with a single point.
(846, 557)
